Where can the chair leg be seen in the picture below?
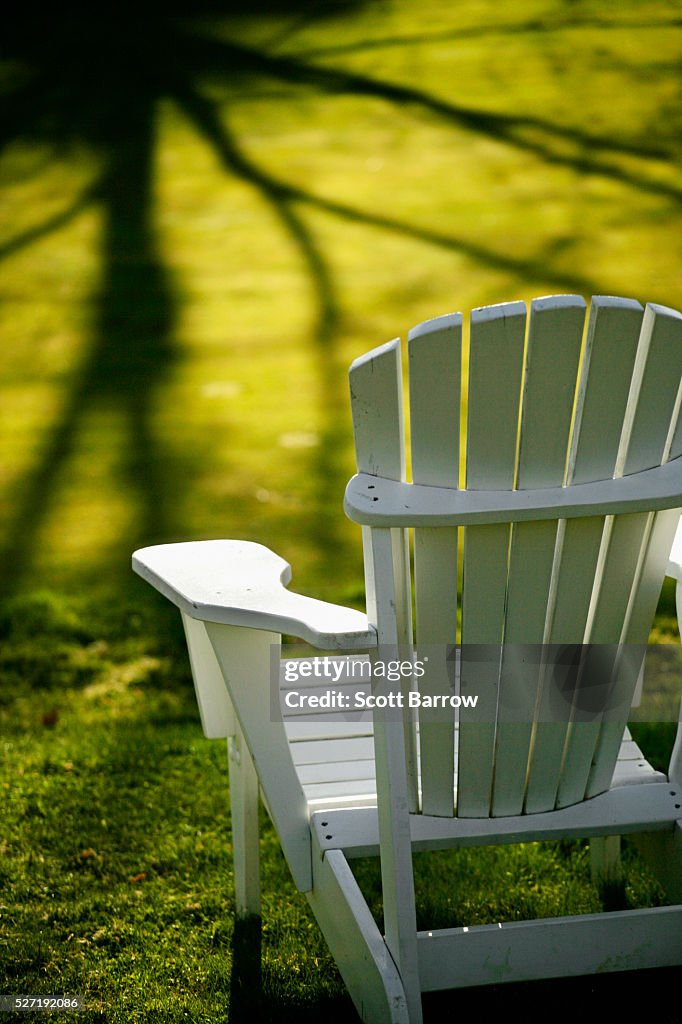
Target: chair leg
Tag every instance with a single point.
(360, 952)
(244, 804)
(662, 852)
(607, 871)
(605, 862)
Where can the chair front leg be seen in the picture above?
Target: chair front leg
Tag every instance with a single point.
(244, 808)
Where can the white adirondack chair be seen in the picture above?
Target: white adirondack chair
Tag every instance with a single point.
(564, 526)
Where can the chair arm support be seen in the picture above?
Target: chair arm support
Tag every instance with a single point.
(674, 567)
(244, 584)
(376, 501)
(675, 767)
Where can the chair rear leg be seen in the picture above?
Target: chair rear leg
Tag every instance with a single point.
(662, 852)
(607, 870)
(605, 864)
(244, 805)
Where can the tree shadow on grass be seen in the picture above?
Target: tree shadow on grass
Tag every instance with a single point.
(97, 81)
(131, 352)
(246, 976)
(254, 997)
(591, 997)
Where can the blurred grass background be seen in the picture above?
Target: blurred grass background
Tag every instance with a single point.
(208, 213)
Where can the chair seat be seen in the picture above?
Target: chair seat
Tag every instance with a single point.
(338, 770)
(334, 752)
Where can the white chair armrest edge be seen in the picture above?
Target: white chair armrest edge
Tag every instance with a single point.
(241, 583)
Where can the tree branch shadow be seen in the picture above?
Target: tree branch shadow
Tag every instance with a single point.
(283, 196)
(58, 220)
(130, 354)
(251, 996)
(246, 975)
(322, 521)
(544, 26)
(539, 136)
(132, 348)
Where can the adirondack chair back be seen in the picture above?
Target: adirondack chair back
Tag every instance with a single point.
(552, 402)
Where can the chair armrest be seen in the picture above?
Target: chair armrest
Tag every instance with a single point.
(244, 584)
(378, 501)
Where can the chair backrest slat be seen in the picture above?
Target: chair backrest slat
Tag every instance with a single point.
(576, 559)
(606, 370)
(486, 551)
(435, 361)
(496, 345)
(435, 358)
(610, 348)
(377, 410)
(529, 584)
(376, 390)
(622, 541)
(553, 351)
(495, 370)
(552, 356)
(654, 394)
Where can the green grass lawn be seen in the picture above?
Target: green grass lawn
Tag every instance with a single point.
(192, 254)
